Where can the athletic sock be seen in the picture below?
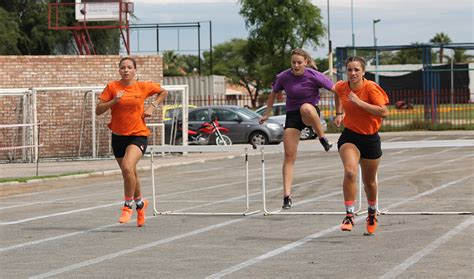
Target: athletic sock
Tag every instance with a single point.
(128, 202)
(349, 206)
(372, 205)
(139, 202)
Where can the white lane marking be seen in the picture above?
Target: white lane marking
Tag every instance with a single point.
(136, 249)
(115, 203)
(82, 187)
(55, 200)
(235, 267)
(58, 214)
(148, 245)
(39, 241)
(399, 269)
(302, 241)
(393, 139)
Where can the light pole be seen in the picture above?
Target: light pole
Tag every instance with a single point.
(330, 62)
(352, 25)
(376, 53)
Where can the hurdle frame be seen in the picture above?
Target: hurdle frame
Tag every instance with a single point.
(287, 212)
(196, 148)
(385, 146)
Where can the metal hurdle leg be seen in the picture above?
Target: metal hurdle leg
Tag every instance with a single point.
(420, 144)
(387, 212)
(389, 145)
(246, 212)
(281, 212)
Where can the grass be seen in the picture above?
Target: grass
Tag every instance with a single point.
(25, 179)
(456, 117)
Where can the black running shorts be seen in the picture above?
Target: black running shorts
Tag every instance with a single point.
(120, 144)
(370, 146)
(293, 119)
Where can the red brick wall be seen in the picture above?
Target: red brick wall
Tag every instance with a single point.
(66, 115)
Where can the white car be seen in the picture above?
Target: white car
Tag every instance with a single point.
(279, 114)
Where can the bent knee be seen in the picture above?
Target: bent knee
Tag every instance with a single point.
(307, 109)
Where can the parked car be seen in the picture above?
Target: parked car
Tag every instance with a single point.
(279, 114)
(170, 110)
(243, 124)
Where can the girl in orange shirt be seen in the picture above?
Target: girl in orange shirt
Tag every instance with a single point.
(126, 100)
(363, 107)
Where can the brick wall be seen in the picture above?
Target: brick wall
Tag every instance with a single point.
(67, 115)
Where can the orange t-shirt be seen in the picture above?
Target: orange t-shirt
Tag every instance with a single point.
(128, 114)
(358, 119)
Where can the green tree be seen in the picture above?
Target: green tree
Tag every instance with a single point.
(409, 56)
(33, 37)
(191, 64)
(173, 64)
(231, 59)
(441, 38)
(9, 34)
(275, 28)
(461, 56)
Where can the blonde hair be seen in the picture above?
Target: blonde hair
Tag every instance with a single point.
(307, 57)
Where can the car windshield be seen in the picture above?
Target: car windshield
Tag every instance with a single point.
(173, 112)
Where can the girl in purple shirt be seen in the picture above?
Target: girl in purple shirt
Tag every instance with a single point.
(301, 84)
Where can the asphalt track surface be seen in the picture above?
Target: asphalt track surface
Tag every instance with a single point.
(69, 228)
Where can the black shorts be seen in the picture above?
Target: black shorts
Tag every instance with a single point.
(370, 146)
(293, 119)
(120, 144)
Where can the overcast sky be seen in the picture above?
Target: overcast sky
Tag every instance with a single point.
(402, 22)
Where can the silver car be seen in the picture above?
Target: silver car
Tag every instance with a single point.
(279, 114)
(243, 124)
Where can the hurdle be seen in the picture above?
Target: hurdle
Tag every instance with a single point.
(242, 149)
(385, 146)
(301, 148)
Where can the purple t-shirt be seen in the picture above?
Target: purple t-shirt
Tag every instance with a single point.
(301, 89)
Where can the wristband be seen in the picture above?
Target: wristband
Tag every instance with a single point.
(339, 113)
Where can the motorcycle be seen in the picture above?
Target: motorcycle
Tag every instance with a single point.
(203, 134)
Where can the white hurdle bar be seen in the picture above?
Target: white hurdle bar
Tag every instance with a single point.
(242, 149)
(385, 146)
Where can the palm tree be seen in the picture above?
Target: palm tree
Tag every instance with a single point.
(441, 38)
(173, 64)
(460, 56)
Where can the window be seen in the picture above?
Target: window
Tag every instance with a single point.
(225, 115)
(199, 115)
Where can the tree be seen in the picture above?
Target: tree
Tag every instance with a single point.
(460, 56)
(191, 64)
(173, 64)
(275, 28)
(231, 59)
(441, 38)
(9, 34)
(32, 36)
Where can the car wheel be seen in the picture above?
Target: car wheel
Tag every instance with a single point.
(258, 138)
(306, 133)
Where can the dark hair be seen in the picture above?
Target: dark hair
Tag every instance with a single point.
(356, 59)
(307, 57)
(128, 58)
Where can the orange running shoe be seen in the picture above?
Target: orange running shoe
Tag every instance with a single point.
(126, 214)
(141, 214)
(371, 221)
(348, 222)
